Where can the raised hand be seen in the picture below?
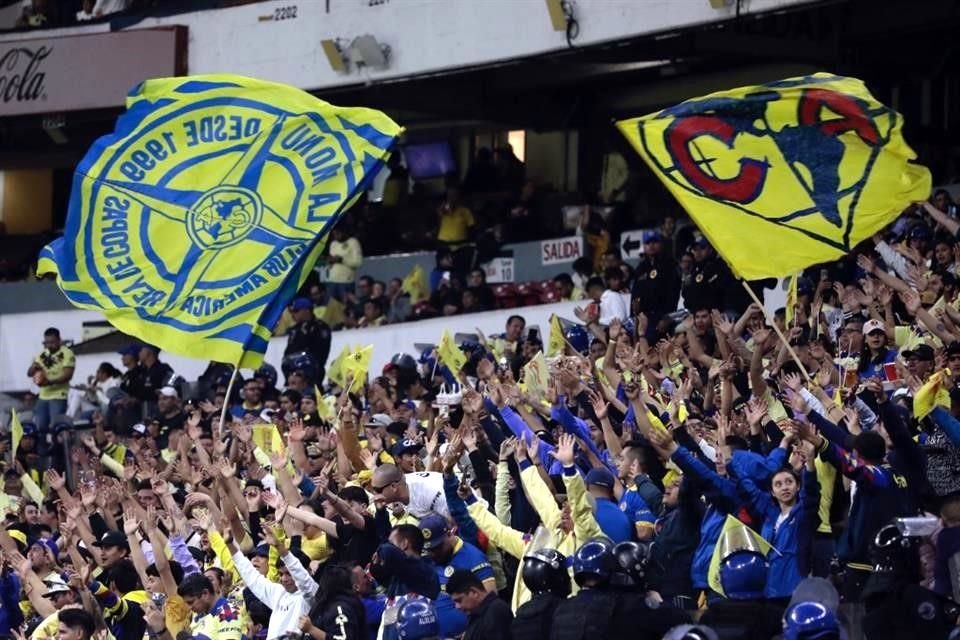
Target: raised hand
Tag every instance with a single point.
(911, 299)
(54, 480)
(433, 442)
(614, 329)
(662, 441)
(600, 406)
(130, 522)
(797, 403)
(296, 431)
(227, 469)
(520, 450)
(793, 381)
(368, 459)
(507, 448)
(756, 409)
(564, 453)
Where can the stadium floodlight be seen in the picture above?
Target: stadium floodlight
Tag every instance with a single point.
(366, 51)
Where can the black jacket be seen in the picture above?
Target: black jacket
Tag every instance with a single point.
(656, 287)
(491, 621)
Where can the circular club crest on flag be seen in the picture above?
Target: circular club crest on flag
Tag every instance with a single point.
(211, 199)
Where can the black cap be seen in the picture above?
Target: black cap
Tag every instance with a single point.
(113, 539)
(921, 352)
(953, 349)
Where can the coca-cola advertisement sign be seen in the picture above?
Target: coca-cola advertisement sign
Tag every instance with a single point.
(85, 72)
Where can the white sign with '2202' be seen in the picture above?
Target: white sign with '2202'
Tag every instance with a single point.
(561, 250)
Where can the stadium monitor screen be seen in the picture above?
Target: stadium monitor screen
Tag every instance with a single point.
(429, 160)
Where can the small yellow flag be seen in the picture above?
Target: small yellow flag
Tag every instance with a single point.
(326, 408)
(536, 374)
(556, 342)
(336, 372)
(932, 394)
(791, 303)
(356, 366)
(450, 354)
(735, 536)
(16, 433)
(415, 285)
(267, 437)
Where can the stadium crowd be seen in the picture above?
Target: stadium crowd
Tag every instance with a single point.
(660, 468)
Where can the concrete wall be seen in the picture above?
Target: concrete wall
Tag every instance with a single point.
(281, 40)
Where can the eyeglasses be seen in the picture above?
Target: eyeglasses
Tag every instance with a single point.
(251, 494)
(381, 489)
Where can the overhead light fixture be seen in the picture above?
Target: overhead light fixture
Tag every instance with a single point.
(366, 51)
(335, 57)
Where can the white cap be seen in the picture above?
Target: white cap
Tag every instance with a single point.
(170, 392)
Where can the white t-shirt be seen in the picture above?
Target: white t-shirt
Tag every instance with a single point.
(612, 306)
(426, 494)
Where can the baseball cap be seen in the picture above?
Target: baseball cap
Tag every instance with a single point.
(300, 304)
(873, 325)
(699, 240)
(49, 545)
(652, 236)
(919, 231)
(920, 352)
(139, 429)
(130, 350)
(169, 392)
(434, 528)
(262, 550)
(600, 477)
(379, 420)
(112, 539)
(55, 586)
(405, 446)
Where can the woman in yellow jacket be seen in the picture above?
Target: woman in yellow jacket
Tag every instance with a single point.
(564, 529)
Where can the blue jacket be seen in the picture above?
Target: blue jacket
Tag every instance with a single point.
(721, 495)
(11, 617)
(790, 560)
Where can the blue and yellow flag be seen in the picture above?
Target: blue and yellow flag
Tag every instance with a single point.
(784, 175)
(196, 221)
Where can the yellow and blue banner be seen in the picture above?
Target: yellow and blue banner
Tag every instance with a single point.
(195, 222)
(784, 175)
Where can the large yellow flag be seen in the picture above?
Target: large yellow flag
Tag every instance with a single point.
(16, 433)
(735, 536)
(415, 285)
(356, 366)
(932, 394)
(784, 175)
(450, 354)
(195, 222)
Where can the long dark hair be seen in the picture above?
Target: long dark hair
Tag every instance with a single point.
(335, 580)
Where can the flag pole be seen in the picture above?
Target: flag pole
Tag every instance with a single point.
(783, 338)
(226, 402)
